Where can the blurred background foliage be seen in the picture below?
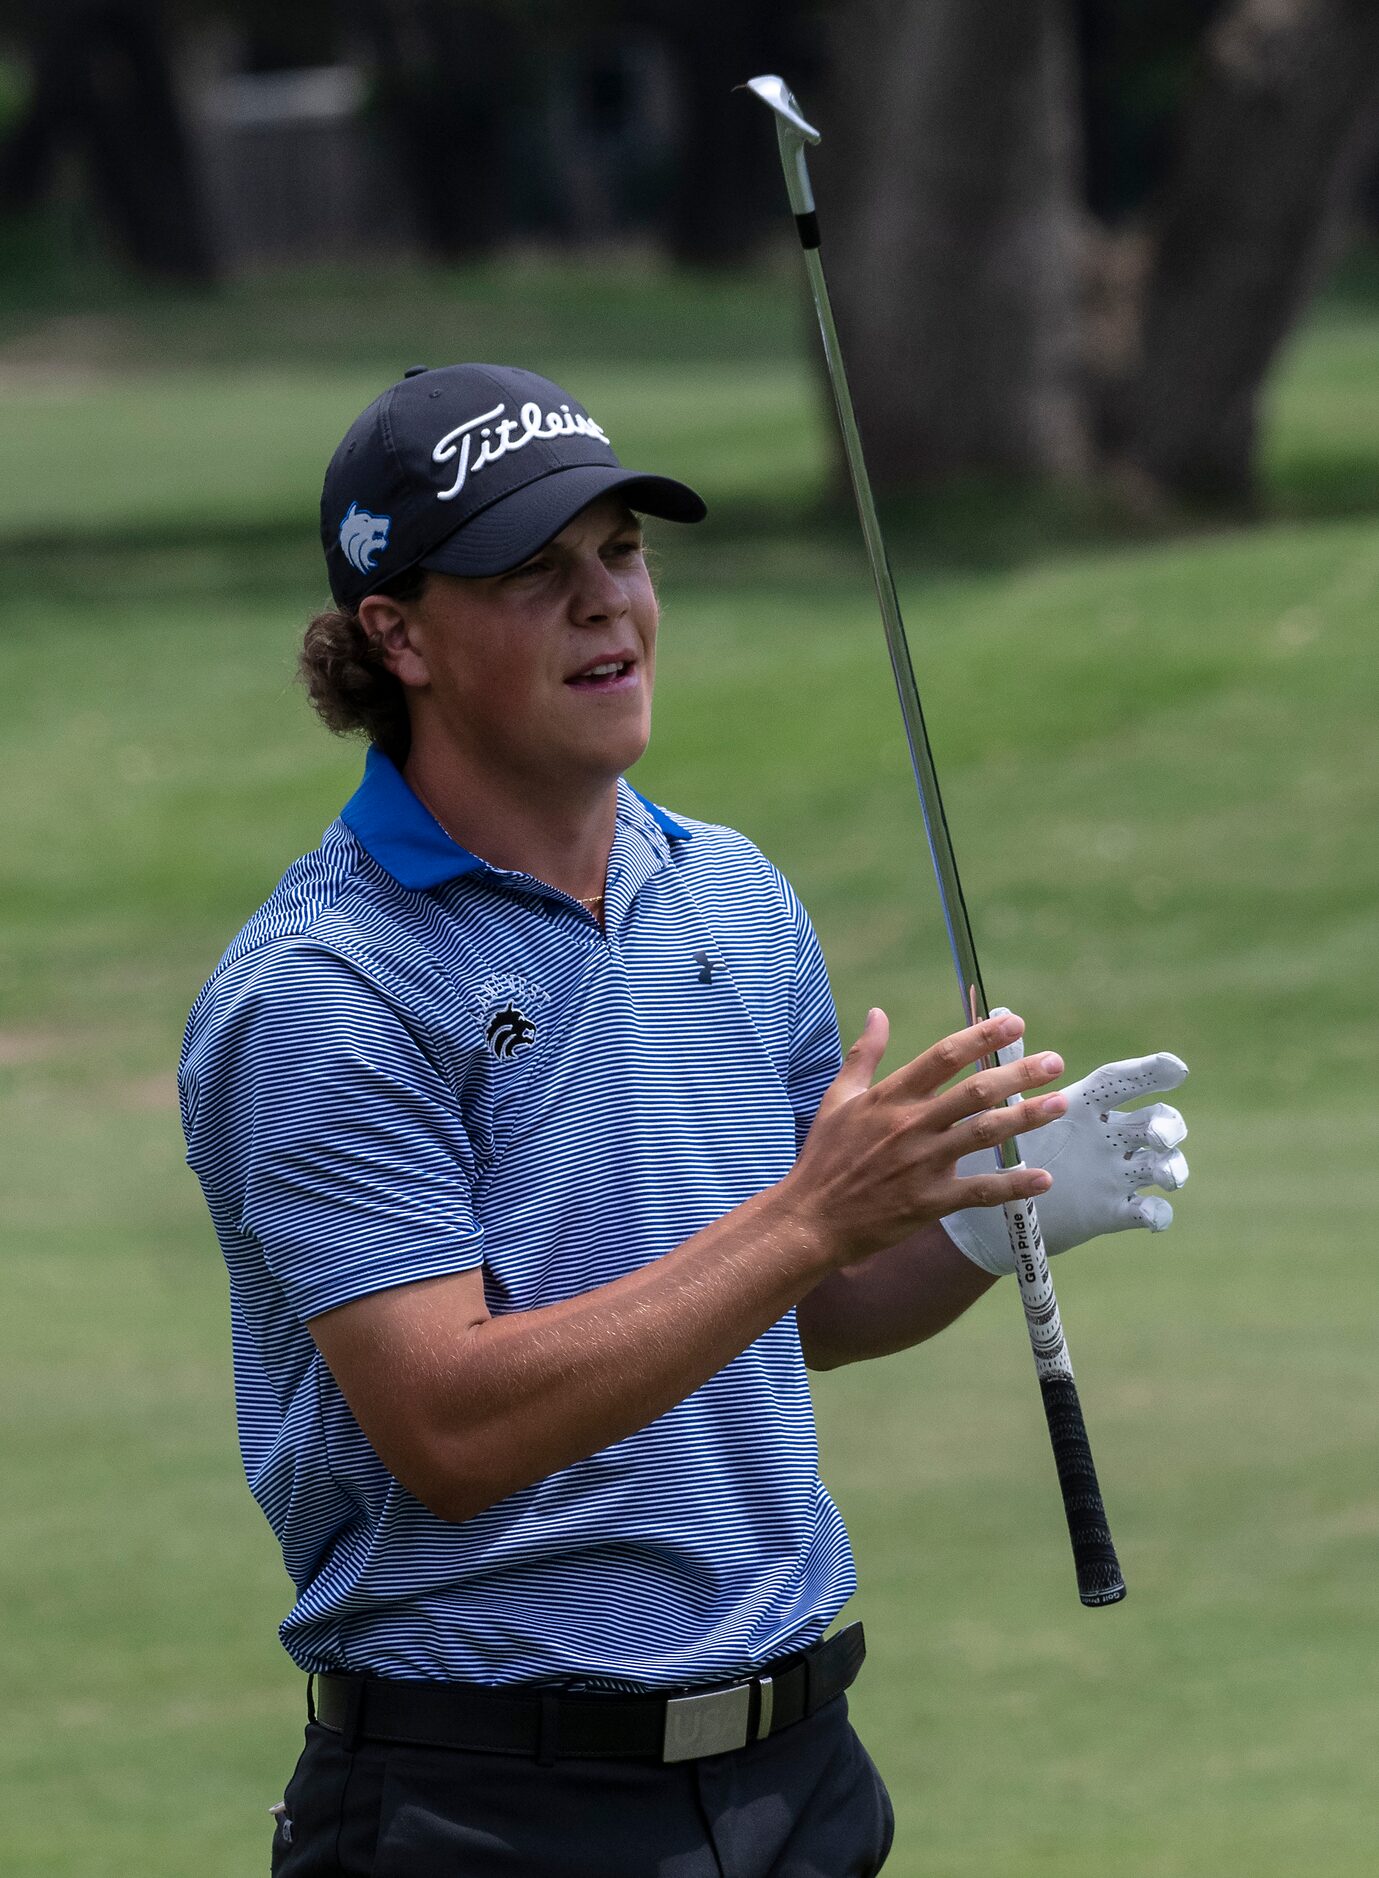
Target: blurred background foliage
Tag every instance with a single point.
(1107, 279)
(1070, 237)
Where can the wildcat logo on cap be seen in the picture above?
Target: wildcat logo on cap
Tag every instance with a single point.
(363, 537)
(501, 438)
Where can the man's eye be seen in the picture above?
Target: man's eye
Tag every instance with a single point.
(527, 569)
(625, 548)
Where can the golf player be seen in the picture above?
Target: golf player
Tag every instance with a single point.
(541, 1178)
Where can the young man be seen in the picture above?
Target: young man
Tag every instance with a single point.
(521, 1114)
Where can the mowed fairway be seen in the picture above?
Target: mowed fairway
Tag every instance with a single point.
(1159, 770)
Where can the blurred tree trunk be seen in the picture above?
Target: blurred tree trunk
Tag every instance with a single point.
(104, 88)
(1270, 138)
(948, 188)
(451, 77)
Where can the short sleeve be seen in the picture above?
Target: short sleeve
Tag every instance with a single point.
(322, 1130)
(816, 1053)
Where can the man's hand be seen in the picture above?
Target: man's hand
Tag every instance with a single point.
(882, 1162)
(1101, 1158)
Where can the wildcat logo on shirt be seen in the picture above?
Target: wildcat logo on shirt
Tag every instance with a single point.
(509, 1007)
(509, 1031)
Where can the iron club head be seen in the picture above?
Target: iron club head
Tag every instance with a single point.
(793, 132)
(775, 92)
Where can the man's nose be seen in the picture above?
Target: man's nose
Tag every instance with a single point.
(597, 595)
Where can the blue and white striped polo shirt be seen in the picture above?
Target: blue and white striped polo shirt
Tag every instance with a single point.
(412, 1063)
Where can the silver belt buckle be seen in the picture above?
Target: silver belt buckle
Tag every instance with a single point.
(713, 1723)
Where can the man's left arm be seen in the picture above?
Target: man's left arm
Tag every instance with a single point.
(895, 1299)
(1102, 1159)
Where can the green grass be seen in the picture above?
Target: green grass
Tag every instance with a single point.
(1157, 757)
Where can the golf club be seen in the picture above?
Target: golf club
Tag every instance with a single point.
(1099, 1579)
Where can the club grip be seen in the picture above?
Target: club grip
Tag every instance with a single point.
(1099, 1579)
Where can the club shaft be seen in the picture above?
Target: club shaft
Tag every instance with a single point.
(960, 939)
(1099, 1577)
(1098, 1571)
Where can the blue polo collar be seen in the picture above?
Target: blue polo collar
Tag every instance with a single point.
(406, 840)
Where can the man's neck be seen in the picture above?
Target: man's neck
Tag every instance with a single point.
(560, 832)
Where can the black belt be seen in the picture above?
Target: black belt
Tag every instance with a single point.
(551, 1723)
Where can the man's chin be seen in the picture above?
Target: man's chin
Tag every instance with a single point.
(588, 773)
(614, 756)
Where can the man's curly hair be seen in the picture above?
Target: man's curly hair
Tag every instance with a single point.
(350, 687)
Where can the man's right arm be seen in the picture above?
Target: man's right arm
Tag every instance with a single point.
(465, 1408)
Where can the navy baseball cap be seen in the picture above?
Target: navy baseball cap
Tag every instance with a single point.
(469, 469)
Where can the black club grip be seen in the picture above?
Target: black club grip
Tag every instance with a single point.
(1099, 1579)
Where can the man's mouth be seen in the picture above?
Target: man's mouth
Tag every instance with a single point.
(605, 674)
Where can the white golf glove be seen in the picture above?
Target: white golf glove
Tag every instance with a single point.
(1100, 1156)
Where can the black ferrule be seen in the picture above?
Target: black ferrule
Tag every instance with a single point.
(808, 226)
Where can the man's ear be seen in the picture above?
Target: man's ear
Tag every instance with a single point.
(392, 629)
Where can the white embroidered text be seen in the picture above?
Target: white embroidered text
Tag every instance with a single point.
(501, 438)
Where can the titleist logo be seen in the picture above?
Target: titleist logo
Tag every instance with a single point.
(501, 438)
